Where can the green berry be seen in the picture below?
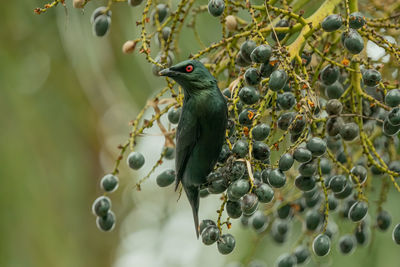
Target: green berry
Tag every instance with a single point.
(249, 95)
(305, 183)
(261, 150)
(233, 209)
(264, 193)
(246, 116)
(332, 23)
(280, 226)
(267, 68)
(216, 7)
(252, 76)
(302, 154)
(101, 25)
(390, 129)
(169, 152)
(276, 178)
(286, 100)
(285, 120)
(321, 245)
(337, 183)
(394, 116)
(284, 211)
(353, 41)
(210, 235)
(135, 160)
(286, 260)
(371, 77)
(334, 107)
(313, 219)
(240, 148)
(174, 114)
(286, 162)
(261, 53)
(107, 222)
(277, 80)
(109, 183)
(361, 234)
(249, 204)
(259, 221)
(246, 49)
(308, 169)
(240, 61)
(204, 224)
(329, 74)
(239, 188)
(392, 98)
(317, 146)
(356, 20)
(302, 254)
(344, 193)
(332, 203)
(360, 172)
(396, 234)
(347, 244)
(326, 166)
(162, 11)
(383, 220)
(101, 206)
(334, 91)
(333, 126)
(358, 211)
(226, 244)
(165, 178)
(349, 131)
(237, 171)
(260, 132)
(98, 12)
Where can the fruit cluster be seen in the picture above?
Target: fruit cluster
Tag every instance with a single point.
(313, 122)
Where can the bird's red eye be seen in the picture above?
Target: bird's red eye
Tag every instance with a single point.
(189, 68)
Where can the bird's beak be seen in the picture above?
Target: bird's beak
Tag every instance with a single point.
(166, 72)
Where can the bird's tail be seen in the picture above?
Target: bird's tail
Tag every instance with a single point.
(192, 193)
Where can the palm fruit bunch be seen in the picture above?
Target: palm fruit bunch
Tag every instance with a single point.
(313, 133)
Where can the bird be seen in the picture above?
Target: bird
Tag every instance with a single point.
(201, 129)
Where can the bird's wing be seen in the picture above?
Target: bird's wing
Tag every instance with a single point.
(186, 138)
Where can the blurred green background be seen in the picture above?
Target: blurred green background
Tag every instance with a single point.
(66, 98)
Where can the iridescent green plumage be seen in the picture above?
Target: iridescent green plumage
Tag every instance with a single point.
(201, 129)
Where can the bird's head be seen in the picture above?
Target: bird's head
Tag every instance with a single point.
(190, 74)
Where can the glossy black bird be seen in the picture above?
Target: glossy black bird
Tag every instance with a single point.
(201, 129)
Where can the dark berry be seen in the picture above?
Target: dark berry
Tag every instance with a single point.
(261, 53)
(305, 183)
(210, 235)
(226, 244)
(332, 23)
(286, 162)
(101, 206)
(329, 74)
(276, 178)
(353, 41)
(358, 211)
(174, 114)
(277, 80)
(302, 154)
(107, 222)
(321, 245)
(346, 244)
(383, 220)
(216, 7)
(249, 204)
(260, 132)
(249, 95)
(317, 146)
(349, 131)
(371, 77)
(356, 20)
(233, 209)
(109, 183)
(135, 160)
(392, 98)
